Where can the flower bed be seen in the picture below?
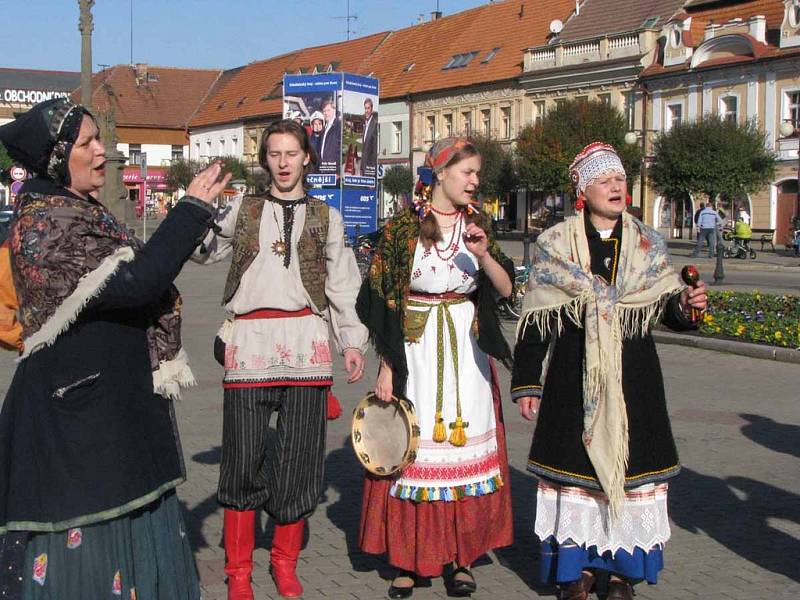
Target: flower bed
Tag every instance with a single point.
(754, 317)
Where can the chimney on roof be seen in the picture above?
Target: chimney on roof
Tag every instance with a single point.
(140, 70)
(436, 15)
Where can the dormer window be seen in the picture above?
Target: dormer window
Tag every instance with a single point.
(492, 53)
(676, 38)
(460, 60)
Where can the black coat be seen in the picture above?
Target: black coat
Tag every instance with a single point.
(83, 436)
(557, 452)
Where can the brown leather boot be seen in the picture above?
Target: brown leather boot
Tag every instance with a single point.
(286, 543)
(239, 531)
(578, 590)
(619, 590)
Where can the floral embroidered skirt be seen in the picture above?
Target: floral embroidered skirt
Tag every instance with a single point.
(423, 537)
(144, 554)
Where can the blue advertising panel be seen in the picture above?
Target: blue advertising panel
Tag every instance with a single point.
(340, 114)
(359, 211)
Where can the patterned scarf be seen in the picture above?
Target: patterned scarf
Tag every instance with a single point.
(562, 283)
(64, 250)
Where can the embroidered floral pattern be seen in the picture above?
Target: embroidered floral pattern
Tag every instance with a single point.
(74, 538)
(321, 352)
(116, 585)
(40, 569)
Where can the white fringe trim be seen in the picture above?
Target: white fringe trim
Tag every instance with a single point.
(172, 375)
(89, 286)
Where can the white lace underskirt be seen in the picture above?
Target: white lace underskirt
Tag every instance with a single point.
(573, 513)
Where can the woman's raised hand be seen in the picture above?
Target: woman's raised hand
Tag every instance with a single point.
(205, 186)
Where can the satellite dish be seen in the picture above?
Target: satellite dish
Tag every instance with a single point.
(556, 26)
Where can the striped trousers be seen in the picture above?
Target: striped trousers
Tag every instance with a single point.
(286, 478)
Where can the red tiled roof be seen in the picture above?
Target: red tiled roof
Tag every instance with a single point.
(167, 97)
(508, 25)
(255, 90)
(723, 11)
(705, 12)
(599, 17)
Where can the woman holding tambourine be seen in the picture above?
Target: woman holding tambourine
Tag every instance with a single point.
(430, 305)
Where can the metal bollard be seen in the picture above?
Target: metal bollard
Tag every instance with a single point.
(526, 250)
(719, 270)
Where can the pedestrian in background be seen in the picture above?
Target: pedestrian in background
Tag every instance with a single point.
(603, 448)
(89, 450)
(708, 224)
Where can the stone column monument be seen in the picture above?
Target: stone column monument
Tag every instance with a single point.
(113, 195)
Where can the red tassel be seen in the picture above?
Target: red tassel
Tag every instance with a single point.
(334, 408)
(628, 199)
(580, 202)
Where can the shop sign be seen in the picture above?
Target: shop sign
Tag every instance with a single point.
(31, 96)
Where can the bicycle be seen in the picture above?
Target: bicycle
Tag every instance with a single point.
(512, 309)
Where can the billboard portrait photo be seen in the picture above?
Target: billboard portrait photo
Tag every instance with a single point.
(360, 137)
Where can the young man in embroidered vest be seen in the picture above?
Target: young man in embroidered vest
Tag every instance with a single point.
(291, 280)
(602, 449)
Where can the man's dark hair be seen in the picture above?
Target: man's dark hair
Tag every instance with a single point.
(299, 132)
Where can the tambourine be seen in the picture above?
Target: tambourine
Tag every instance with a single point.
(385, 435)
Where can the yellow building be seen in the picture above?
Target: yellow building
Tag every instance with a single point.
(740, 61)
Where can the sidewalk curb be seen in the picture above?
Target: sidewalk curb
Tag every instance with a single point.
(728, 266)
(786, 355)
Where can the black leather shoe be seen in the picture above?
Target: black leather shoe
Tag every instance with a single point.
(402, 591)
(620, 590)
(462, 587)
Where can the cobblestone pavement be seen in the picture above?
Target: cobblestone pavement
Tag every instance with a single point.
(735, 509)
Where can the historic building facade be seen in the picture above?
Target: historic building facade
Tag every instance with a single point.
(743, 65)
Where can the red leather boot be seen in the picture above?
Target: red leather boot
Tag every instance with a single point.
(286, 543)
(239, 532)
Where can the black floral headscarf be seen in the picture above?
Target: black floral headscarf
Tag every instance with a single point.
(42, 138)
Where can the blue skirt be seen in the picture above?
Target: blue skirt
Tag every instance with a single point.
(142, 555)
(563, 563)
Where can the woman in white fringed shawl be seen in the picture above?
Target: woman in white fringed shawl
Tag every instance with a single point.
(603, 448)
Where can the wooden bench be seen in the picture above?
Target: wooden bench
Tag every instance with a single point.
(765, 237)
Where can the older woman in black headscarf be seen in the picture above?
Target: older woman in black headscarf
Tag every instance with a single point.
(89, 453)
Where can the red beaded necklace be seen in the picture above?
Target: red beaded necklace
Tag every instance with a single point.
(443, 213)
(451, 245)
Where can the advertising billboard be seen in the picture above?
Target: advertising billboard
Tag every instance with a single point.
(340, 114)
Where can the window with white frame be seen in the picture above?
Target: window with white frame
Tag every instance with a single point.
(604, 99)
(448, 125)
(673, 115)
(197, 150)
(539, 111)
(397, 137)
(729, 108)
(506, 112)
(208, 148)
(134, 154)
(177, 152)
(431, 128)
(630, 110)
(221, 147)
(486, 121)
(467, 117)
(791, 110)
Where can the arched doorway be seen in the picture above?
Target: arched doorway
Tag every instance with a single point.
(674, 217)
(788, 209)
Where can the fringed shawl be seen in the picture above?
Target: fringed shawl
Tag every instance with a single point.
(562, 285)
(65, 249)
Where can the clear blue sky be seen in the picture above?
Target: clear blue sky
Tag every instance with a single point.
(43, 34)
